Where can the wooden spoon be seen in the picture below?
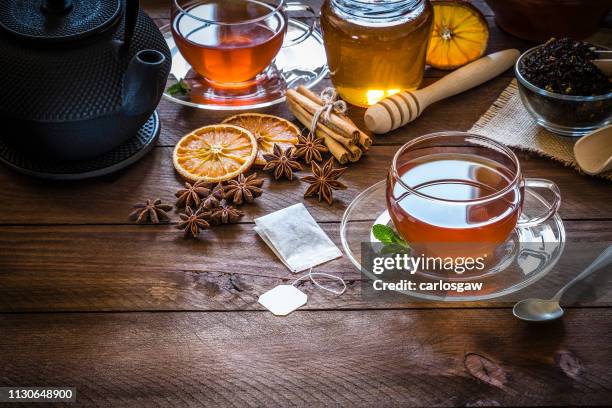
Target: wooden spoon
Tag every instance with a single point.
(404, 107)
(593, 152)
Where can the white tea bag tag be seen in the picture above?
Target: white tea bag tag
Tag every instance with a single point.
(283, 299)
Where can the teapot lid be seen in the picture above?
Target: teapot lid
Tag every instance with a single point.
(58, 21)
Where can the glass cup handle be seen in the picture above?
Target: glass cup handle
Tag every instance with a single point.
(294, 6)
(552, 208)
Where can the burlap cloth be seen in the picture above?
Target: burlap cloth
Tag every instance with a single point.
(508, 122)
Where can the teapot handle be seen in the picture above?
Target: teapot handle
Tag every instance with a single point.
(132, 7)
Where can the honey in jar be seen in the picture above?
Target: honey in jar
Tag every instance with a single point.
(375, 48)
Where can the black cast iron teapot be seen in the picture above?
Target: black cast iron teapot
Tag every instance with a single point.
(78, 77)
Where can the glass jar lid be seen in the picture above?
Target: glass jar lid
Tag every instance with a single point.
(375, 12)
(57, 21)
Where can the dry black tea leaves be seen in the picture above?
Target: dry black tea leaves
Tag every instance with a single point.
(310, 148)
(192, 195)
(193, 221)
(225, 214)
(324, 181)
(150, 212)
(243, 189)
(565, 66)
(282, 162)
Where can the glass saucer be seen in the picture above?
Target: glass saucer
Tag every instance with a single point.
(527, 256)
(301, 64)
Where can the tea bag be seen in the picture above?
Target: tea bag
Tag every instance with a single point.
(296, 238)
(299, 242)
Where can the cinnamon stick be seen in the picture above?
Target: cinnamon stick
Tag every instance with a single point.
(338, 136)
(354, 153)
(335, 121)
(310, 95)
(305, 119)
(335, 148)
(364, 140)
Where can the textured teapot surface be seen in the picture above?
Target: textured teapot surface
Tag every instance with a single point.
(75, 81)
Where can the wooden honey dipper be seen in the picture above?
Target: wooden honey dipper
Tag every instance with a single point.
(404, 107)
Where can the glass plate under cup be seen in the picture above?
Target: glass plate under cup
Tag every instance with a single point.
(304, 64)
(527, 256)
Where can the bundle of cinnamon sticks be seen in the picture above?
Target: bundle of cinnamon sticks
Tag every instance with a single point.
(343, 139)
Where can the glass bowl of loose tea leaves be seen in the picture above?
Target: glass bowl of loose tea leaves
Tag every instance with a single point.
(562, 88)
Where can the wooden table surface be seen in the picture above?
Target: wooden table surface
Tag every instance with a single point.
(137, 316)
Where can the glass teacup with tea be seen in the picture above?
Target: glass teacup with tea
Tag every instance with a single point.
(460, 194)
(231, 42)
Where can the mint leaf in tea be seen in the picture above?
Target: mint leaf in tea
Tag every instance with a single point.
(180, 88)
(387, 235)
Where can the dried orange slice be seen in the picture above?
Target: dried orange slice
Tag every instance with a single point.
(268, 130)
(460, 34)
(215, 153)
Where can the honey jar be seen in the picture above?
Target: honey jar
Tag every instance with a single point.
(375, 48)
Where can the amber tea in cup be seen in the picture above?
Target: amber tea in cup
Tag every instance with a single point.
(457, 187)
(229, 41)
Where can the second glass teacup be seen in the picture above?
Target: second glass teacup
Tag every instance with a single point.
(460, 188)
(230, 42)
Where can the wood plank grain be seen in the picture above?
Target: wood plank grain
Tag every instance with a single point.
(119, 268)
(109, 200)
(333, 358)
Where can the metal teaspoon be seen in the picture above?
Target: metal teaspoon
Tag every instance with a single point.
(540, 310)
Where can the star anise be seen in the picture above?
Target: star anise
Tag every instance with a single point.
(192, 195)
(150, 211)
(192, 221)
(243, 189)
(324, 180)
(282, 162)
(214, 198)
(225, 214)
(310, 148)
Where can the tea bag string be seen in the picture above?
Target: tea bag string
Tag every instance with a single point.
(311, 275)
(329, 96)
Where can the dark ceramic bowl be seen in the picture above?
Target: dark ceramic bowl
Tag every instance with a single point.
(567, 115)
(539, 20)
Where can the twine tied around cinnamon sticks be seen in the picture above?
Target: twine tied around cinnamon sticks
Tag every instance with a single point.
(330, 100)
(325, 117)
